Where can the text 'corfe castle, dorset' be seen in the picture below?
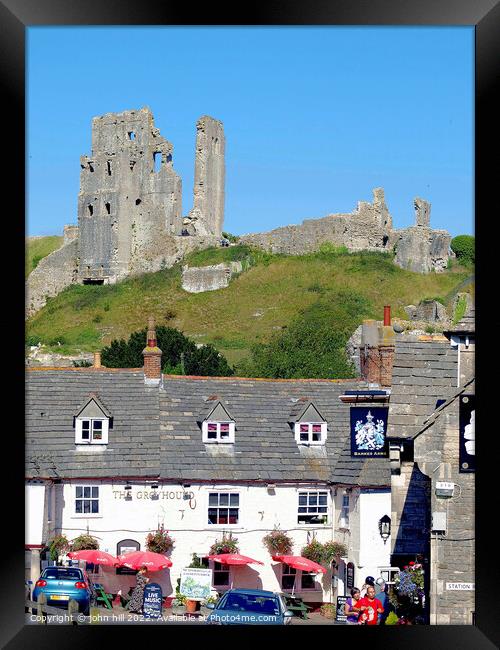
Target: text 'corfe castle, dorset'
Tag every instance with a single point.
(130, 217)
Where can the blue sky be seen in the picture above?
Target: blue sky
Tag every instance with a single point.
(314, 117)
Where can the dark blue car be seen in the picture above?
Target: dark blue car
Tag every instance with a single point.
(62, 584)
(250, 607)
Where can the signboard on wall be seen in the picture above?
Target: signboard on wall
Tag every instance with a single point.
(349, 575)
(341, 600)
(467, 443)
(196, 583)
(152, 602)
(368, 432)
(123, 547)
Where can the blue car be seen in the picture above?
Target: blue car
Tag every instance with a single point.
(62, 584)
(249, 607)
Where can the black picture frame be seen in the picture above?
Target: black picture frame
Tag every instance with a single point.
(15, 16)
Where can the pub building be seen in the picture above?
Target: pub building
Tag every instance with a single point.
(116, 453)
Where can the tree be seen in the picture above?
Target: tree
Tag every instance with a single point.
(464, 248)
(179, 354)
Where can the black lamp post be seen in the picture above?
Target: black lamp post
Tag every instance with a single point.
(384, 526)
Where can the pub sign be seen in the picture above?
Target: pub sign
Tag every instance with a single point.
(368, 432)
(467, 445)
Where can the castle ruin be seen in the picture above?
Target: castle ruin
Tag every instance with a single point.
(130, 218)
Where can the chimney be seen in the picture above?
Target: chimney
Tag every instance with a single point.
(152, 356)
(97, 360)
(377, 350)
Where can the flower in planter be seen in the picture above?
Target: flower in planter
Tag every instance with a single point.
(159, 541)
(278, 542)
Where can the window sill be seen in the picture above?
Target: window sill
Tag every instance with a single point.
(93, 445)
(87, 516)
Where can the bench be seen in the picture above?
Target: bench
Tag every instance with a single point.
(297, 606)
(102, 596)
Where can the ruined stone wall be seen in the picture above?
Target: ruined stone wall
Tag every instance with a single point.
(209, 177)
(366, 228)
(129, 194)
(421, 249)
(208, 278)
(52, 274)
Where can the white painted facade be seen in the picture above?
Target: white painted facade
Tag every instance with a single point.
(34, 495)
(184, 513)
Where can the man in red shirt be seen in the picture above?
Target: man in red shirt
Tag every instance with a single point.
(369, 607)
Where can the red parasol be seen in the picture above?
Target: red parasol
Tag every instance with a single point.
(234, 559)
(94, 557)
(299, 562)
(138, 559)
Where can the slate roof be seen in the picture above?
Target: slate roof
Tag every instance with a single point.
(467, 325)
(265, 447)
(50, 450)
(157, 431)
(423, 373)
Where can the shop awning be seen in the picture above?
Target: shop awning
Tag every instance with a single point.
(299, 562)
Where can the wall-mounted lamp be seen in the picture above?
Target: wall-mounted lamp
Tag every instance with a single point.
(384, 526)
(271, 487)
(128, 492)
(154, 491)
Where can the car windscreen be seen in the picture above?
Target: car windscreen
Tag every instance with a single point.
(62, 574)
(251, 603)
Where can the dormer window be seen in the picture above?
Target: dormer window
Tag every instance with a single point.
(309, 426)
(310, 433)
(92, 423)
(217, 424)
(218, 431)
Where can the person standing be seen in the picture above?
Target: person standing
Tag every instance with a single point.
(369, 582)
(370, 608)
(382, 596)
(350, 607)
(137, 599)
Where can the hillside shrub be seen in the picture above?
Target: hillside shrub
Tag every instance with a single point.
(179, 354)
(313, 345)
(464, 248)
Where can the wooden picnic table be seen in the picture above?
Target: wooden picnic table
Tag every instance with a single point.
(297, 605)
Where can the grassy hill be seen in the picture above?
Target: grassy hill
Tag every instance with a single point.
(260, 301)
(38, 248)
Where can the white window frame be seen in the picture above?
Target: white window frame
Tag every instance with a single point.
(88, 498)
(218, 439)
(326, 506)
(287, 570)
(221, 568)
(229, 507)
(309, 440)
(345, 510)
(80, 440)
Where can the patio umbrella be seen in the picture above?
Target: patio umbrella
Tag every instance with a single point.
(299, 562)
(94, 557)
(137, 559)
(233, 559)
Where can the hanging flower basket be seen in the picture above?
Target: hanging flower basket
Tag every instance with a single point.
(57, 546)
(159, 541)
(227, 544)
(278, 542)
(84, 543)
(323, 553)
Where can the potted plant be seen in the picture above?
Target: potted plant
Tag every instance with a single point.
(84, 542)
(159, 541)
(328, 610)
(278, 542)
(228, 544)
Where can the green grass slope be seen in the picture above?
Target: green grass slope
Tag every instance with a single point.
(257, 303)
(37, 248)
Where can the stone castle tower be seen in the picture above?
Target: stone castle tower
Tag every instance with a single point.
(130, 206)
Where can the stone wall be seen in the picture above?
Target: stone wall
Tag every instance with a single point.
(366, 228)
(208, 278)
(207, 214)
(52, 274)
(421, 249)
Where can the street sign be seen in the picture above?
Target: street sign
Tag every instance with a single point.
(460, 586)
(152, 601)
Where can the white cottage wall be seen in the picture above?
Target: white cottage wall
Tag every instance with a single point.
(260, 510)
(373, 505)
